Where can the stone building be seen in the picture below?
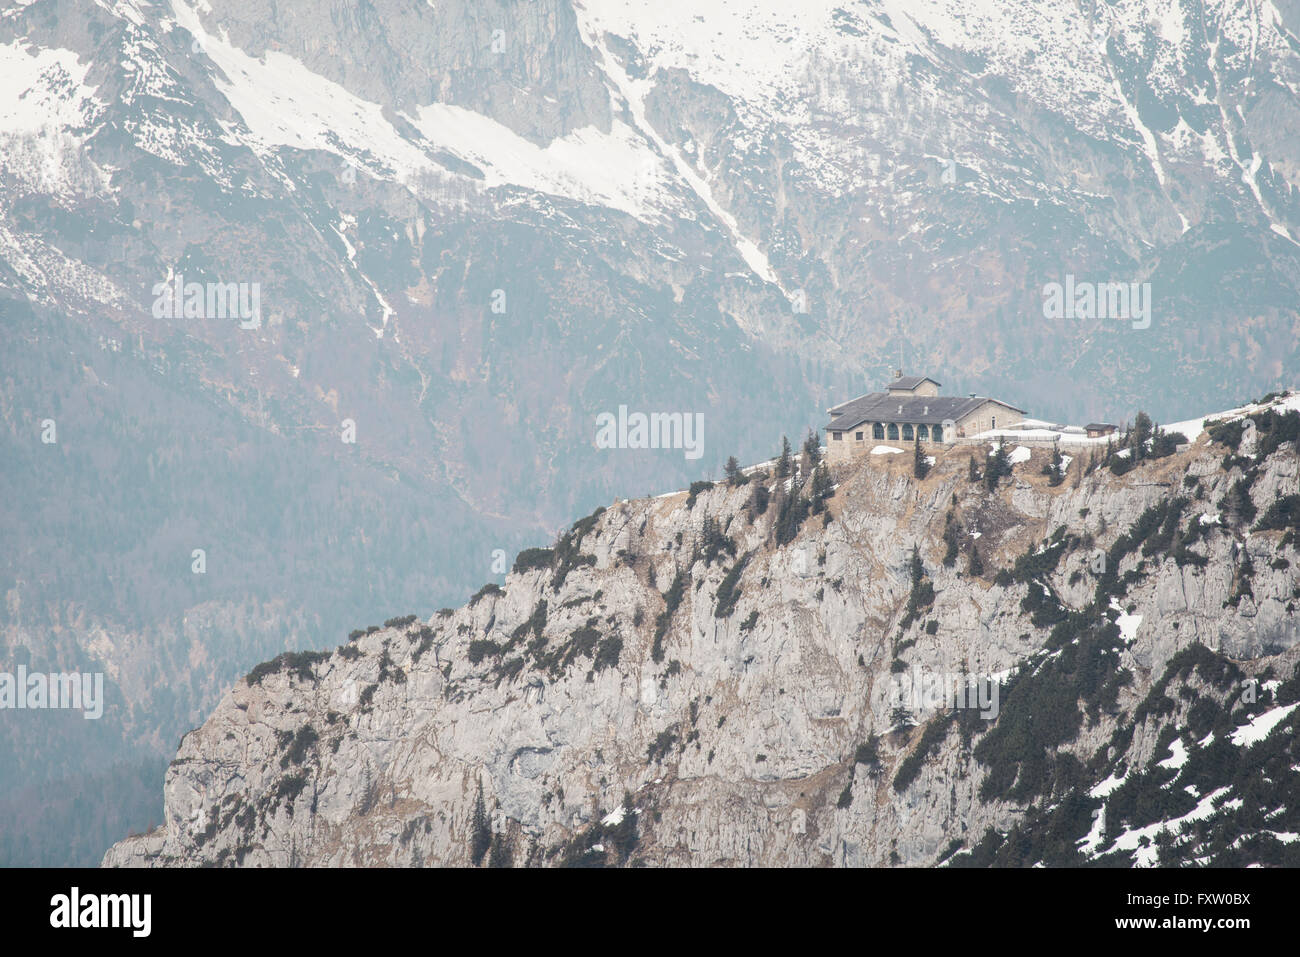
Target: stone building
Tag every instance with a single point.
(911, 408)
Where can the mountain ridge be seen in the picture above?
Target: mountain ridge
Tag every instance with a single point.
(689, 680)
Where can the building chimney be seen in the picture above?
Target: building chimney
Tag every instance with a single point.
(898, 373)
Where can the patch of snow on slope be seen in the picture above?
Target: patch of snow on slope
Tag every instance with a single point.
(1130, 840)
(42, 89)
(45, 110)
(1089, 843)
(1128, 624)
(1107, 787)
(1179, 755)
(283, 103)
(615, 169)
(1192, 428)
(1261, 725)
(633, 93)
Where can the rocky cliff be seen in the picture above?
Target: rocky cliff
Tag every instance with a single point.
(704, 678)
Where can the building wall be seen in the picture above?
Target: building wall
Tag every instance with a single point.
(983, 418)
(849, 446)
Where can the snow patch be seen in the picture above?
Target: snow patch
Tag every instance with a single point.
(1128, 624)
(1179, 755)
(1261, 725)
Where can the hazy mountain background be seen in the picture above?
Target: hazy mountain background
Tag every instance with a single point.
(477, 225)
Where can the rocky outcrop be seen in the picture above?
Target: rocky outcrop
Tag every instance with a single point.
(675, 683)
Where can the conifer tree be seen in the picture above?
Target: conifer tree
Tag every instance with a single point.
(950, 535)
(920, 467)
(502, 854)
(480, 831)
(998, 466)
(1137, 438)
(734, 475)
(812, 445)
(822, 488)
(785, 464)
(1053, 470)
(812, 454)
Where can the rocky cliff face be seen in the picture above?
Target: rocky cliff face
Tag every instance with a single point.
(695, 679)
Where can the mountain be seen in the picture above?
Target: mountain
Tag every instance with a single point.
(725, 677)
(471, 228)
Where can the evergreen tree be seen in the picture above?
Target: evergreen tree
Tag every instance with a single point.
(975, 568)
(822, 488)
(1238, 502)
(734, 475)
(1053, 470)
(622, 837)
(922, 594)
(920, 467)
(713, 544)
(1137, 438)
(784, 464)
(480, 831)
(812, 448)
(1165, 443)
(790, 516)
(973, 473)
(951, 531)
(502, 854)
(998, 466)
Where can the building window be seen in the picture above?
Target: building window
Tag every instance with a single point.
(878, 431)
(907, 432)
(995, 422)
(837, 436)
(859, 436)
(937, 434)
(893, 431)
(923, 433)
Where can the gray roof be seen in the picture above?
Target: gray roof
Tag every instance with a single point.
(917, 409)
(910, 382)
